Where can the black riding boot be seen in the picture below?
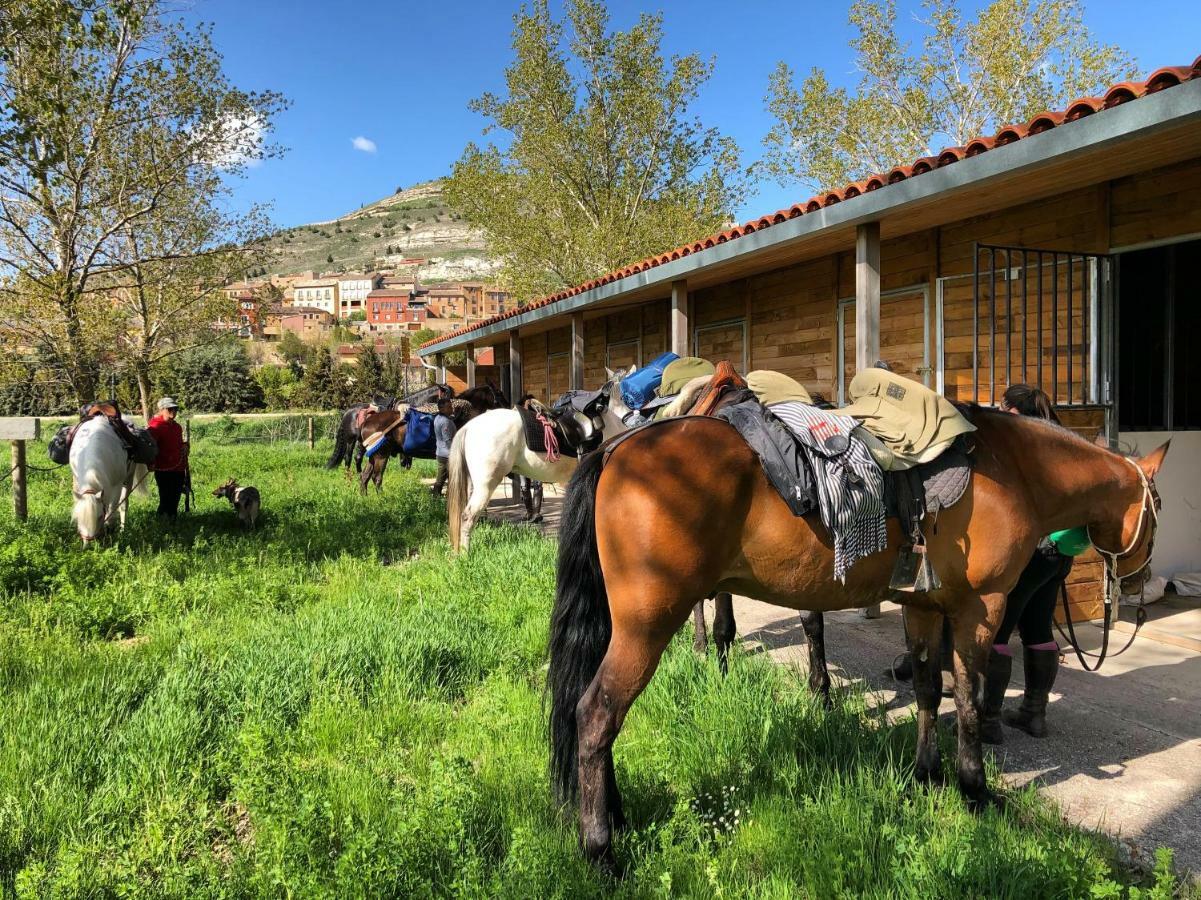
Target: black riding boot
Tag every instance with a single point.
(536, 492)
(1040, 667)
(996, 680)
(527, 499)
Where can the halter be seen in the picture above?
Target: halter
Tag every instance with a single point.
(1150, 501)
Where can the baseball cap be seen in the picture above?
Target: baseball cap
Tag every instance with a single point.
(167, 403)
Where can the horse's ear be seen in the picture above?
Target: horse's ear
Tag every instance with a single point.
(609, 374)
(1151, 463)
(633, 368)
(1102, 440)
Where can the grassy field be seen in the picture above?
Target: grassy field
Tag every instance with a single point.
(333, 706)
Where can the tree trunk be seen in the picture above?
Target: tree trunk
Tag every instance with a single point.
(82, 366)
(142, 372)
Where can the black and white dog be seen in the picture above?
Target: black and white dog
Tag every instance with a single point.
(245, 500)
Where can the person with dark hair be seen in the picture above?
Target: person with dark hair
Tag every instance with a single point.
(1030, 608)
(444, 435)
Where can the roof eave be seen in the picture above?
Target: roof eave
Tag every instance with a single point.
(1140, 119)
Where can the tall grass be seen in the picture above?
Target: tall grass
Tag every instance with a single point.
(334, 706)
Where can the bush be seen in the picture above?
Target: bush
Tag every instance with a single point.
(278, 384)
(213, 378)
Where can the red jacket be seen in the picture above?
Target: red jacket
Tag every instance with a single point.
(169, 437)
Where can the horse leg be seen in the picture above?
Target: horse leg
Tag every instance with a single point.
(973, 626)
(814, 624)
(700, 641)
(925, 631)
(628, 665)
(481, 493)
(360, 451)
(379, 475)
(365, 476)
(723, 627)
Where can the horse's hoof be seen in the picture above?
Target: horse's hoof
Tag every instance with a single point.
(930, 775)
(985, 800)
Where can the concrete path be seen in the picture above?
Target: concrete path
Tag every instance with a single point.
(1124, 749)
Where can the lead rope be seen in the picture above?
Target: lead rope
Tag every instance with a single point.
(549, 438)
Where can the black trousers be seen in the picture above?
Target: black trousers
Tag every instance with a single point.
(1030, 606)
(443, 474)
(170, 489)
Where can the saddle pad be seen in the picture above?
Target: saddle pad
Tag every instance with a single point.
(909, 494)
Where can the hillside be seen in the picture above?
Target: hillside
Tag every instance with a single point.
(415, 222)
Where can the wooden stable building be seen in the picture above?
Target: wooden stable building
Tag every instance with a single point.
(1064, 253)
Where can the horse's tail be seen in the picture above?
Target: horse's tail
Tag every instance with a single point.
(342, 448)
(458, 486)
(141, 474)
(580, 624)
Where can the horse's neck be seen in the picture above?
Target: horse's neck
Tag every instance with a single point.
(1070, 482)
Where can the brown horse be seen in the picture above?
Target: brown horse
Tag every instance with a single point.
(682, 509)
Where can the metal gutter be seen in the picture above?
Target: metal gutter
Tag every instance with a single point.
(1136, 119)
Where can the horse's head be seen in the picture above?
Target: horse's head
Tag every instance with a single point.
(1126, 544)
(88, 514)
(609, 405)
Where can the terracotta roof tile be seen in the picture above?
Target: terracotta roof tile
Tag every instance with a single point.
(1118, 94)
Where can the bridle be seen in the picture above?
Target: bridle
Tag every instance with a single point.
(1148, 511)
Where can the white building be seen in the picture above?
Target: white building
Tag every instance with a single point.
(353, 289)
(321, 293)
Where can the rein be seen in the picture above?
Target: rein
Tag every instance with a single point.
(1113, 582)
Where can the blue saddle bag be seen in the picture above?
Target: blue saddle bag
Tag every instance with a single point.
(639, 389)
(419, 434)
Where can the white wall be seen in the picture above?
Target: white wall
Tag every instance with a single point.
(1178, 542)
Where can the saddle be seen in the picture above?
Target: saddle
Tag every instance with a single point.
(138, 442)
(572, 439)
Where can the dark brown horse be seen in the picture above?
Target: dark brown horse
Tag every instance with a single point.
(682, 509)
(467, 406)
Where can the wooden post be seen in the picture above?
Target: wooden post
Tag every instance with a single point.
(311, 441)
(471, 365)
(867, 314)
(515, 381)
(679, 318)
(20, 501)
(867, 295)
(440, 362)
(19, 430)
(577, 351)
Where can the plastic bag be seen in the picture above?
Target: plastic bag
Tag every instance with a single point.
(1152, 592)
(1188, 584)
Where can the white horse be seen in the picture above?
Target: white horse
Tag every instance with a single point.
(492, 445)
(102, 475)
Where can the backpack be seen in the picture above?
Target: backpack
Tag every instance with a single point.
(60, 446)
(639, 389)
(420, 440)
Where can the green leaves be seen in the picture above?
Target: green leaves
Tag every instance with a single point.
(600, 163)
(970, 78)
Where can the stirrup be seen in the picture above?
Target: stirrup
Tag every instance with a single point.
(913, 572)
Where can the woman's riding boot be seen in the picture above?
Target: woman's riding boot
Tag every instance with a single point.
(996, 680)
(527, 500)
(536, 491)
(1040, 667)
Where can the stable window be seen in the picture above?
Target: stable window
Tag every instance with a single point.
(1159, 314)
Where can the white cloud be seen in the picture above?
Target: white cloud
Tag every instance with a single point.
(365, 144)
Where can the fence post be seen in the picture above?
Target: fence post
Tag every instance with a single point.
(20, 506)
(311, 444)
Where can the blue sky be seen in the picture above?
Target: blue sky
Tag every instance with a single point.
(400, 75)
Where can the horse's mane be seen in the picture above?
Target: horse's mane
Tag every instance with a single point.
(974, 411)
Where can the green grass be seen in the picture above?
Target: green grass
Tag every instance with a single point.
(333, 706)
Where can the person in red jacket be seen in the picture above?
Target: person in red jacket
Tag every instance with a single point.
(171, 462)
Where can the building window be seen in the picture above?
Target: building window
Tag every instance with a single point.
(1159, 317)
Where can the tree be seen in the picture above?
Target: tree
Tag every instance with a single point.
(602, 163)
(317, 386)
(1014, 60)
(278, 384)
(295, 352)
(370, 376)
(106, 109)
